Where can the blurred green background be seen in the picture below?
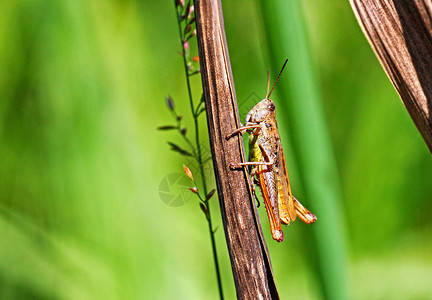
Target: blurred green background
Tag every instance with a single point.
(83, 87)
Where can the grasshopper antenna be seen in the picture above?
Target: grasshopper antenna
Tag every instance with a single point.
(268, 84)
(268, 81)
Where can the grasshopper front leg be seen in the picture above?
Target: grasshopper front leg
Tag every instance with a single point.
(268, 162)
(242, 130)
(250, 163)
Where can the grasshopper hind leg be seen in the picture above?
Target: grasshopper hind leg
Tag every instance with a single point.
(303, 213)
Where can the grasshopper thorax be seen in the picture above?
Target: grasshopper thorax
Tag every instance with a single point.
(261, 111)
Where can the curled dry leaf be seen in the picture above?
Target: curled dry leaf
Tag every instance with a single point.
(400, 33)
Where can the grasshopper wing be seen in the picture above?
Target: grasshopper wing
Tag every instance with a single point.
(267, 179)
(289, 206)
(287, 211)
(267, 184)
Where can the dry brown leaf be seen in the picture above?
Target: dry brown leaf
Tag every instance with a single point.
(400, 33)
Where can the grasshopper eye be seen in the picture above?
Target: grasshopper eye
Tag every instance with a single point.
(271, 107)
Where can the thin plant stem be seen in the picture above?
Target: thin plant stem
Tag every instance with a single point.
(199, 158)
(184, 135)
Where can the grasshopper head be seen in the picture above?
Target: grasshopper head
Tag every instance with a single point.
(265, 108)
(261, 111)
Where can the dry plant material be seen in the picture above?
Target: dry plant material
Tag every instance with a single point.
(249, 260)
(400, 33)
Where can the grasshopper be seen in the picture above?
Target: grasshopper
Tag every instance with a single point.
(267, 163)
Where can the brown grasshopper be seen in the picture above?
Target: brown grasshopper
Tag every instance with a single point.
(267, 163)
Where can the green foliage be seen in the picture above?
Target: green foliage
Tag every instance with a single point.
(301, 105)
(82, 89)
